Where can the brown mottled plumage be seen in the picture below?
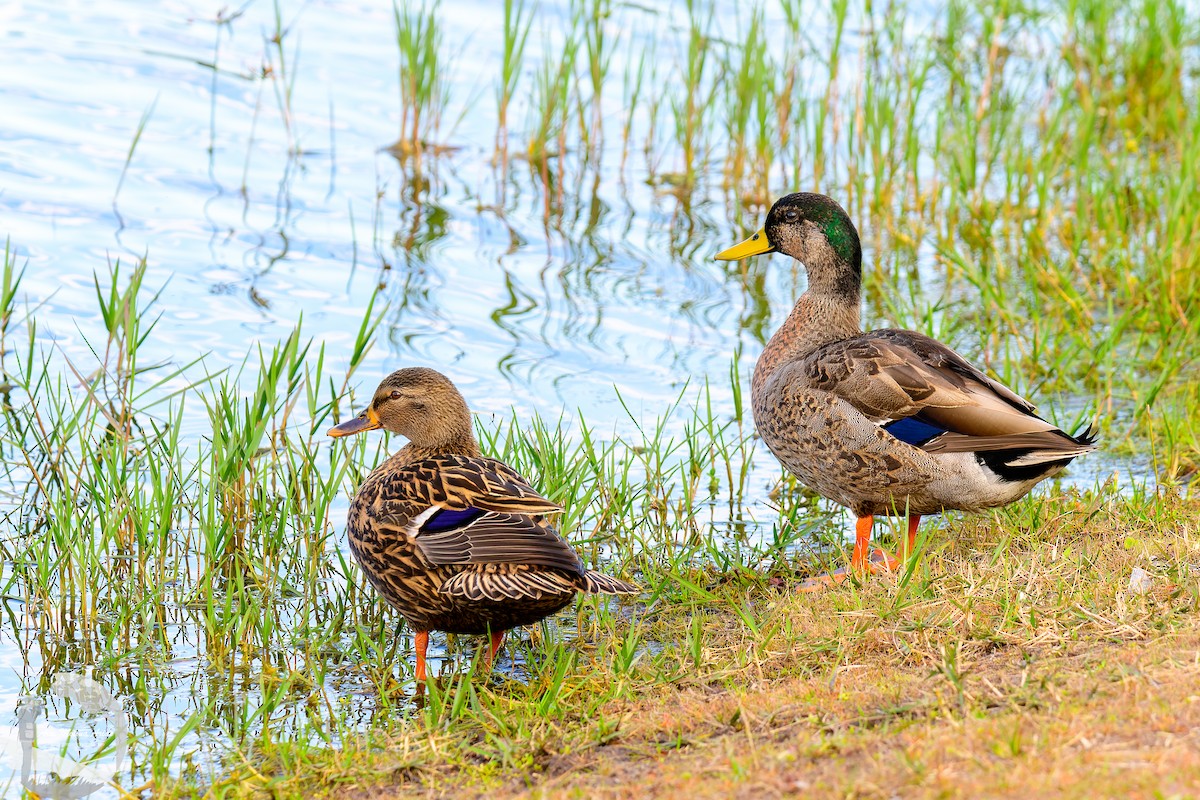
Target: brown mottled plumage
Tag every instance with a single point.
(890, 421)
(455, 541)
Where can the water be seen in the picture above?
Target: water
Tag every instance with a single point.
(249, 217)
(260, 191)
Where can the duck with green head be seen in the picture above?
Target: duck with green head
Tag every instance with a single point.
(886, 422)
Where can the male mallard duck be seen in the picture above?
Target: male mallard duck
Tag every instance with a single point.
(890, 421)
(455, 541)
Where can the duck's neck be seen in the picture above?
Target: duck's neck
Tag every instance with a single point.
(819, 317)
(461, 444)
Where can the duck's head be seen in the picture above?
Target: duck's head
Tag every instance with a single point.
(814, 230)
(418, 403)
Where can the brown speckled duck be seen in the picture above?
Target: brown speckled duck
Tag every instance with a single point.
(455, 541)
(888, 421)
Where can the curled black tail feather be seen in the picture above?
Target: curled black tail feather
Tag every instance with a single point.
(1021, 464)
(1089, 436)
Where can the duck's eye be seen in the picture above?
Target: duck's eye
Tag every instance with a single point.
(791, 215)
(396, 395)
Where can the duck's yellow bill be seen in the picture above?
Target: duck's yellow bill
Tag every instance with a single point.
(366, 421)
(753, 246)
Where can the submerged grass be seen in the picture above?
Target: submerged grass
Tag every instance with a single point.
(424, 90)
(518, 20)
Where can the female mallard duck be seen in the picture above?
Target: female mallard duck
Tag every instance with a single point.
(454, 541)
(890, 421)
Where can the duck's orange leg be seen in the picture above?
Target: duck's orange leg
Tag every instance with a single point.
(497, 639)
(421, 642)
(914, 521)
(862, 543)
(862, 560)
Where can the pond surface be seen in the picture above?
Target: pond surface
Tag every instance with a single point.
(242, 152)
(250, 213)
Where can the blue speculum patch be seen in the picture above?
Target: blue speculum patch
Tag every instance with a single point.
(913, 431)
(449, 519)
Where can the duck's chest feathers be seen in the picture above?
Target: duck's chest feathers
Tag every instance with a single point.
(380, 544)
(390, 559)
(832, 448)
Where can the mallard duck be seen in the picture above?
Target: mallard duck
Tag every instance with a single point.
(455, 541)
(888, 422)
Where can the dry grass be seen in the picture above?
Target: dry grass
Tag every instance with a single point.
(1084, 720)
(1015, 662)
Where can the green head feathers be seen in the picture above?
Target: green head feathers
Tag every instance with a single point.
(789, 229)
(800, 207)
(814, 229)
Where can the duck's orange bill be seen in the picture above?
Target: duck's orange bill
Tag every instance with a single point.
(366, 421)
(753, 246)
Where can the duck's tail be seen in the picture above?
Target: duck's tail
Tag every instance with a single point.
(1068, 448)
(599, 583)
(1034, 456)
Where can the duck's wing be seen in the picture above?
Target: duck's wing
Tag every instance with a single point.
(925, 394)
(510, 583)
(465, 510)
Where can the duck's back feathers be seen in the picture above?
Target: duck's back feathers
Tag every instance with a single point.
(518, 583)
(460, 482)
(494, 538)
(509, 584)
(894, 374)
(470, 510)
(926, 395)
(462, 544)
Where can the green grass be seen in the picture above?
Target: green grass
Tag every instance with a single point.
(141, 547)
(424, 86)
(518, 20)
(553, 107)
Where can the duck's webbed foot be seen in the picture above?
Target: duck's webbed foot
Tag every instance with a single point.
(879, 561)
